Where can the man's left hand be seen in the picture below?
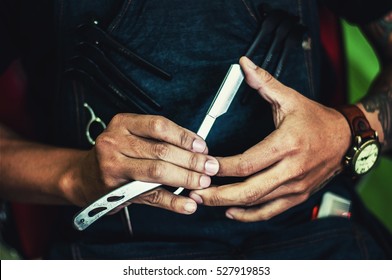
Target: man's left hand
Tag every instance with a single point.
(294, 161)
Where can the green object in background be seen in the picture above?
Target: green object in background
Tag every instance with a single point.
(376, 187)
(7, 253)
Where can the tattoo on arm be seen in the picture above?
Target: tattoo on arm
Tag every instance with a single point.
(379, 98)
(381, 103)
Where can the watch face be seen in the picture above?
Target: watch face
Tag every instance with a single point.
(366, 158)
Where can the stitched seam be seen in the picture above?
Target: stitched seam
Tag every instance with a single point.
(308, 55)
(120, 16)
(249, 10)
(309, 67)
(77, 111)
(76, 254)
(360, 239)
(300, 13)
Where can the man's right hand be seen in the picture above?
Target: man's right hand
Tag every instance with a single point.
(144, 148)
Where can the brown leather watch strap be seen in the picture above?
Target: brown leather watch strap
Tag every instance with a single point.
(359, 125)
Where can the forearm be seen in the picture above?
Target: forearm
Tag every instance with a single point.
(32, 172)
(377, 104)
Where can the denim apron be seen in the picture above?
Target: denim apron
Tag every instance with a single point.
(195, 42)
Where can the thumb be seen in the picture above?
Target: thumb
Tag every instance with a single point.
(268, 87)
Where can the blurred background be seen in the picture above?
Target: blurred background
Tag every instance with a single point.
(362, 65)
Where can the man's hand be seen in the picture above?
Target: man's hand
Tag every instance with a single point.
(297, 159)
(144, 148)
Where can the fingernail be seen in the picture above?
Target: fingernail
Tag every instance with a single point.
(190, 207)
(251, 65)
(205, 181)
(211, 166)
(198, 146)
(228, 215)
(234, 212)
(196, 198)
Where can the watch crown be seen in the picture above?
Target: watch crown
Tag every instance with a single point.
(358, 140)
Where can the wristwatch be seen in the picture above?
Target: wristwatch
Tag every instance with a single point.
(365, 146)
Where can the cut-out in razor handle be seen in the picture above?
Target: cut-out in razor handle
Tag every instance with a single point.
(219, 106)
(110, 201)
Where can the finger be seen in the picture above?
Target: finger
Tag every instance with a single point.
(251, 191)
(307, 184)
(304, 186)
(160, 128)
(268, 87)
(265, 211)
(164, 173)
(149, 149)
(262, 155)
(290, 188)
(164, 199)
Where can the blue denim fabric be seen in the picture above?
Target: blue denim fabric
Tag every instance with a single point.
(291, 235)
(196, 41)
(332, 238)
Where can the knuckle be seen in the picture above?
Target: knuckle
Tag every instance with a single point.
(158, 124)
(214, 199)
(104, 140)
(251, 196)
(265, 76)
(118, 119)
(294, 144)
(156, 170)
(134, 147)
(154, 198)
(161, 150)
(185, 139)
(173, 203)
(193, 161)
(273, 150)
(272, 181)
(245, 168)
(190, 180)
(299, 188)
(299, 173)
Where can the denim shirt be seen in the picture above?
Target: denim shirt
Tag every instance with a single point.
(196, 42)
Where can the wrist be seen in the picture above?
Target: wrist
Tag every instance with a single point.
(345, 134)
(71, 179)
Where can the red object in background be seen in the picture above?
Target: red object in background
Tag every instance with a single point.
(12, 99)
(332, 41)
(32, 222)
